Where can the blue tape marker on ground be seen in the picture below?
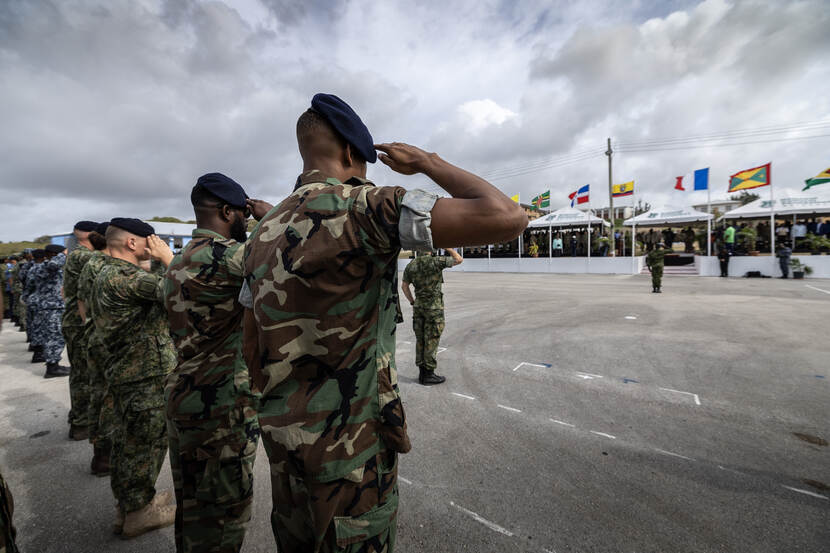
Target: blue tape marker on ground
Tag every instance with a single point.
(627, 380)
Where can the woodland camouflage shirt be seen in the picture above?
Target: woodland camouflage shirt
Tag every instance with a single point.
(128, 309)
(426, 274)
(322, 271)
(201, 292)
(75, 262)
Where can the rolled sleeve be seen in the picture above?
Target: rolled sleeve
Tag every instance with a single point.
(414, 225)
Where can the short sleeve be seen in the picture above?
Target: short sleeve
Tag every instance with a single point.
(448, 262)
(378, 211)
(407, 272)
(416, 219)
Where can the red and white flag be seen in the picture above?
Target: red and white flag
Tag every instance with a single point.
(580, 196)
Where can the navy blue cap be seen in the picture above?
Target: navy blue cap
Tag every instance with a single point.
(85, 226)
(54, 248)
(134, 226)
(101, 228)
(346, 122)
(224, 188)
(39, 254)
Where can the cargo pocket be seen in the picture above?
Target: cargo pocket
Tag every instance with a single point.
(392, 417)
(227, 481)
(351, 530)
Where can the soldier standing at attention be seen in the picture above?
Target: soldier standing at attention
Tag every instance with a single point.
(321, 288)
(73, 332)
(128, 304)
(212, 423)
(101, 412)
(31, 294)
(654, 261)
(50, 309)
(425, 272)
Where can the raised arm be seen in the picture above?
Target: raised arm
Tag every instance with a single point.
(455, 256)
(478, 213)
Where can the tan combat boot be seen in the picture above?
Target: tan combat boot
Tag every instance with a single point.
(118, 525)
(150, 517)
(162, 498)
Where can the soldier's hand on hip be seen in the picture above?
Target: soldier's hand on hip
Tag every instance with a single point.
(404, 158)
(159, 250)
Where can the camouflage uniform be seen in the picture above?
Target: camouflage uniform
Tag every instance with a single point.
(425, 273)
(7, 531)
(128, 308)
(321, 276)
(50, 307)
(17, 289)
(101, 409)
(211, 412)
(73, 332)
(654, 260)
(27, 275)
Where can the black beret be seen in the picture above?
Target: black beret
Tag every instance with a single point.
(54, 248)
(86, 226)
(134, 226)
(39, 254)
(224, 188)
(347, 123)
(101, 228)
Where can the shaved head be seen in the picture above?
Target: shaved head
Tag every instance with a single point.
(125, 242)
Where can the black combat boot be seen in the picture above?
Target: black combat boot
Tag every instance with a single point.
(31, 347)
(78, 433)
(53, 370)
(37, 356)
(100, 465)
(659, 291)
(429, 378)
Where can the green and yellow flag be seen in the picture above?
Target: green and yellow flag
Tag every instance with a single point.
(751, 178)
(821, 178)
(542, 200)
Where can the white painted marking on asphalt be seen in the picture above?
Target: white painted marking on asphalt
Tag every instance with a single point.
(548, 550)
(673, 454)
(730, 470)
(697, 399)
(529, 365)
(440, 350)
(462, 395)
(589, 376)
(819, 289)
(509, 408)
(404, 342)
(563, 423)
(808, 492)
(631, 317)
(478, 518)
(404, 480)
(603, 434)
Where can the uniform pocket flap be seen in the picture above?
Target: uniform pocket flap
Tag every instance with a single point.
(360, 528)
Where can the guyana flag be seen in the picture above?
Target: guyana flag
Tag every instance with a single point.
(750, 178)
(542, 200)
(821, 178)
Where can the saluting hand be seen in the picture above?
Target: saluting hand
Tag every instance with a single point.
(404, 158)
(258, 208)
(159, 250)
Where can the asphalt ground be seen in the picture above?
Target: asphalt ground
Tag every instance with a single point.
(581, 413)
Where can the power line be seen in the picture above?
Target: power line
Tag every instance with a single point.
(695, 146)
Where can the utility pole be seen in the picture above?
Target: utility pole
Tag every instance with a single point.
(611, 200)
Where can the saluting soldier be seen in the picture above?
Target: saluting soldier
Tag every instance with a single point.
(426, 274)
(50, 310)
(31, 296)
(212, 423)
(654, 261)
(129, 307)
(73, 332)
(321, 280)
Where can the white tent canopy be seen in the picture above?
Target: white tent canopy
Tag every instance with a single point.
(668, 216)
(567, 217)
(805, 203)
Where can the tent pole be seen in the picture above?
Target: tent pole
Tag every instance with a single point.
(771, 224)
(589, 240)
(633, 247)
(708, 222)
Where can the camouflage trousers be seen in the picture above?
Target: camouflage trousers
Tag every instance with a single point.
(212, 460)
(29, 326)
(140, 442)
(656, 276)
(356, 515)
(75, 338)
(100, 408)
(47, 333)
(20, 311)
(7, 531)
(428, 326)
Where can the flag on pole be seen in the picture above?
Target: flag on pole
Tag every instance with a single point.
(702, 179)
(580, 196)
(751, 178)
(821, 178)
(542, 200)
(515, 198)
(624, 189)
(679, 184)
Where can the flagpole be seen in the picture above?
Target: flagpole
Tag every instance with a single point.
(772, 219)
(708, 220)
(633, 231)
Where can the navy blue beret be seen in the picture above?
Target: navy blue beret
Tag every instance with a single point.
(134, 226)
(347, 123)
(39, 254)
(86, 226)
(102, 228)
(54, 248)
(224, 188)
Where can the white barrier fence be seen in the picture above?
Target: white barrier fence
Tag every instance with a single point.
(740, 265)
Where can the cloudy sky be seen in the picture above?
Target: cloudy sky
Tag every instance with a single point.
(115, 107)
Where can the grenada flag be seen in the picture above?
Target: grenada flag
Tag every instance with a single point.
(751, 178)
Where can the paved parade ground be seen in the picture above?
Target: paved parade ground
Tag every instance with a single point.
(581, 413)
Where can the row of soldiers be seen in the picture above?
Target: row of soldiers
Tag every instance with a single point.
(287, 336)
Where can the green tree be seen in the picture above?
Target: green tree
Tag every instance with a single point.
(745, 197)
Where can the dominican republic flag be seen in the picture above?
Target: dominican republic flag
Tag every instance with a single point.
(580, 196)
(701, 181)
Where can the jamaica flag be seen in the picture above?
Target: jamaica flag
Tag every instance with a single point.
(542, 200)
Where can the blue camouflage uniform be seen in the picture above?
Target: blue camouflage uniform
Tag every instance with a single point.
(50, 307)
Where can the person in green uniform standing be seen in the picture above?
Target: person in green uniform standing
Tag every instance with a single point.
(729, 239)
(654, 261)
(425, 273)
